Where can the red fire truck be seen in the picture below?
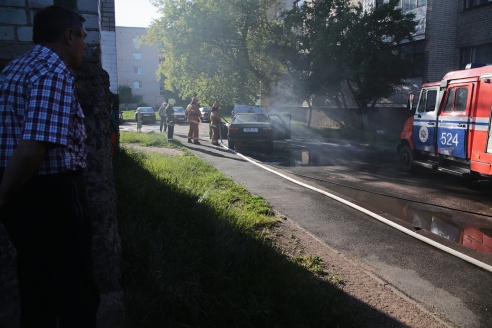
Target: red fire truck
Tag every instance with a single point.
(451, 128)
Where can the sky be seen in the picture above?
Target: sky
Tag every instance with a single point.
(134, 13)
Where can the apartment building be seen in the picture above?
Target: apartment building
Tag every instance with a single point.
(137, 65)
(450, 35)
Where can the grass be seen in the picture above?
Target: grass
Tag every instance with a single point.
(198, 251)
(129, 115)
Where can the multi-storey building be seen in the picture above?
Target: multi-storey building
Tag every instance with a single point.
(137, 65)
(450, 35)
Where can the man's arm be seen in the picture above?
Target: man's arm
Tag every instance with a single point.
(20, 168)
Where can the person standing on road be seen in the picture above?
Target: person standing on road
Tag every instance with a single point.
(193, 117)
(42, 159)
(162, 115)
(139, 118)
(170, 119)
(215, 123)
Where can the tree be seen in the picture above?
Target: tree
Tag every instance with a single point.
(303, 46)
(216, 48)
(127, 97)
(340, 44)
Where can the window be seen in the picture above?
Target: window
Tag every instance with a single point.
(298, 3)
(137, 56)
(428, 101)
(379, 3)
(135, 42)
(449, 101)
(473, 3)
(137, 70)
(457, 100)
(460, 102)
(478, 54)
(407, 5)
(413, 53)
(137, 85)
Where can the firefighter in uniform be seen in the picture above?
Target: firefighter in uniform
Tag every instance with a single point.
(193, 117)
(215, 123)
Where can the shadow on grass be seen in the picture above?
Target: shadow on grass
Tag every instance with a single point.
(187, 264)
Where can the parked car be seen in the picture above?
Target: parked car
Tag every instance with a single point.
(179, 114)
(250, 128)
(148, 115)
(205, 114)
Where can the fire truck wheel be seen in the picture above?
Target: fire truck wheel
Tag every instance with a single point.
(406, 158)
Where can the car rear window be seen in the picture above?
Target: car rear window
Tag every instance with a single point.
(250, 118)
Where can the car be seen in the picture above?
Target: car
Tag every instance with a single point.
(148, 115)
(205, 114)
(179, 114)
(250, 128)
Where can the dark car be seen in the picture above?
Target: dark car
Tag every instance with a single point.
(205, 114)
(250, 128)
(179, 114)
(148, 115)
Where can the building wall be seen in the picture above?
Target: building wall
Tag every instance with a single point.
(127, 45)
(475, 27)
(441, 53)
(16, 25)
(108, 42)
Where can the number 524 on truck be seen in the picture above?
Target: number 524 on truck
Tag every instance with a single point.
(450, 130)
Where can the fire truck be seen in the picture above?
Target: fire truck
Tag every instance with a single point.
(450, 130)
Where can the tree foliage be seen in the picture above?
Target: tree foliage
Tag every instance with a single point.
(126, 95)
(332, 43)
(216, 48)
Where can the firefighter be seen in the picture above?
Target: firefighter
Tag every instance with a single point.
(215, 123)
(193, 117)
(169, 113)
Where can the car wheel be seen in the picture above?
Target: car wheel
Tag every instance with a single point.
(406, 158)
(270, 146)
(231, 145)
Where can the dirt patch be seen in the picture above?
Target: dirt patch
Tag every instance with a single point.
(379, 303)
(159, 150)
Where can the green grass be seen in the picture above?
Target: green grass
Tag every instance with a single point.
(197, 251)
(128, 115)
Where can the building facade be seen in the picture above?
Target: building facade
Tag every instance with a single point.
(137, 65)
(450, 34)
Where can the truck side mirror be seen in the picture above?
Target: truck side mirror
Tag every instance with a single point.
(410, 101)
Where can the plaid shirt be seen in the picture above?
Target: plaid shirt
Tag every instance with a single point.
(38, 102)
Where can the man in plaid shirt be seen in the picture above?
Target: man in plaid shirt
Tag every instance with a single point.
(43, 202)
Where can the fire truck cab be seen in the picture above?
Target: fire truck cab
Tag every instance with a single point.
(450, 130)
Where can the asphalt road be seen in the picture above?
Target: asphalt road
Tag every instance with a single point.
(441, 282)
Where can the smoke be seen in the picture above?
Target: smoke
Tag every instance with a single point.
(283, 95)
